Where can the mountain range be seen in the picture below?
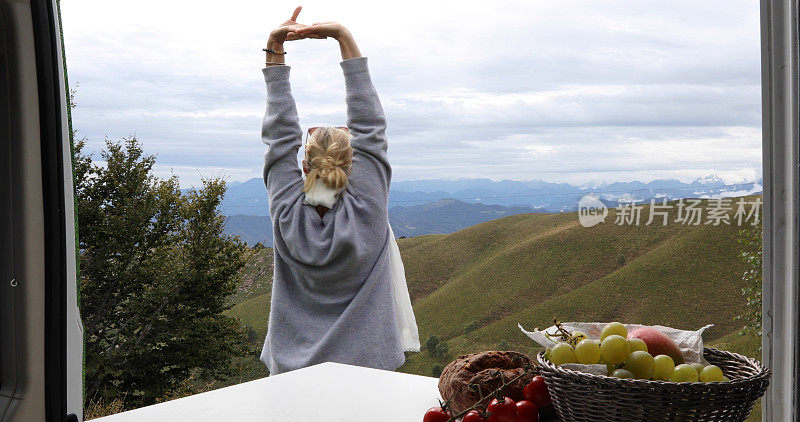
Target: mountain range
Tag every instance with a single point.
(443, 206)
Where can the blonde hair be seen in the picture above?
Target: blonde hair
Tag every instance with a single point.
(329, 157)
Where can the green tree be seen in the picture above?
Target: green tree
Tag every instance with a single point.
(442, 349)
(751, 241)
(156, 269)
(432, 345)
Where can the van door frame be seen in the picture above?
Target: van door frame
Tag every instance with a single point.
(780, 122)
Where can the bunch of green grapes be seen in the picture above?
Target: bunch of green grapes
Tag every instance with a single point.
(697, 372)
(628, 358)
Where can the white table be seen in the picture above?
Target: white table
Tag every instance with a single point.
(330, 392)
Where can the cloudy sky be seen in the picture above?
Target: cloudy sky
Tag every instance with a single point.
(576, 91)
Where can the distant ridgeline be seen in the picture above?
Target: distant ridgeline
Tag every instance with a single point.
(445, 206)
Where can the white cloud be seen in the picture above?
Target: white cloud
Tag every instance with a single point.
(576, 91)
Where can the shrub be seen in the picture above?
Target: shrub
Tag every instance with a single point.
(432, 344)
(442, 349)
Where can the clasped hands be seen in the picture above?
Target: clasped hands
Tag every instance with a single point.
(292, 30)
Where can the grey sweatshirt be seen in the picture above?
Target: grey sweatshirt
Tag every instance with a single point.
(332, 292)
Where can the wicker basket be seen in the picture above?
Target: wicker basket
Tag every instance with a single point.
(578, 396)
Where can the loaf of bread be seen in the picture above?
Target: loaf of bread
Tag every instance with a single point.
(480, 368)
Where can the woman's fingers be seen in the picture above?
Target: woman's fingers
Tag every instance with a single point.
(316, 25)
(293, 35)
(308, 29)
(318, 30)
(296, 13)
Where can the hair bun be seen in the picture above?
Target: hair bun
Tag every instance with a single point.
(330, 161)
(335, 177)
(330, 158)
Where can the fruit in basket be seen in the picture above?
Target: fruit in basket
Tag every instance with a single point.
(637, 344)
(504, 410)
(562, 353)
(658, 343)
(663, 367)
(578, 336)
(436, 414)
(481, 369)
(684, 373)
(613, 328)
(614, 349)
(527, 412)
(641, 364)
(711, 373)
(587, 352)
(698, 367)
(622, 373)
(536, 392)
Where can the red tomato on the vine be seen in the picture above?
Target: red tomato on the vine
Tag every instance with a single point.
(473, 416)
(536, 392)
(527, 411)
(502, 410)
(436, 414)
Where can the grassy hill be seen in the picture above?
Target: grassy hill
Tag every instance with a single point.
(530, 268)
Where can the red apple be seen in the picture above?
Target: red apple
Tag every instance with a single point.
(658, 343)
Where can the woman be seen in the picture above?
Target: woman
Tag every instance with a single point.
(333, 295)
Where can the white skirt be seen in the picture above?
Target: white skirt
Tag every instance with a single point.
(409, 336)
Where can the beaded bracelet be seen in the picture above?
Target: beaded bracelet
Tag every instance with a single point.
(269, 50)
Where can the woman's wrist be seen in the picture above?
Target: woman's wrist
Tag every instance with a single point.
(348, 46)
(343, 35)
(275, 44)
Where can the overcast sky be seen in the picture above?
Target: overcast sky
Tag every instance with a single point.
(575, 91)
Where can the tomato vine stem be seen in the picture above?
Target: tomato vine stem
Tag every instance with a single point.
(497, 393)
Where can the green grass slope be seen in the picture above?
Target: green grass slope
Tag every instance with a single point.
(530, 268)
(251, 301)
(535, 267)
